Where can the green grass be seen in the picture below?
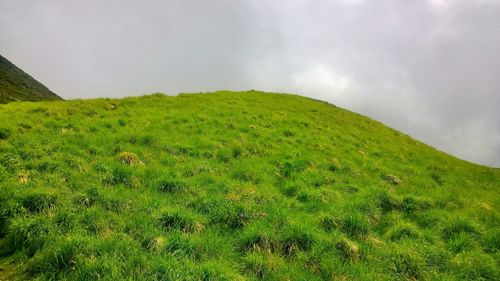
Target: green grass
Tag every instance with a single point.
(234, 186)
(17, 85)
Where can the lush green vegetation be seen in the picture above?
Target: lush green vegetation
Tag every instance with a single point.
(234, 186)
(17, 85)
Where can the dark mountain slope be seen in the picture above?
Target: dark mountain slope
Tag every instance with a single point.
(17, 85)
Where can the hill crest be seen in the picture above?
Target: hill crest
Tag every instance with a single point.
(234, 186)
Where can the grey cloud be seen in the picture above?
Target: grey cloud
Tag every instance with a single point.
(428, 68)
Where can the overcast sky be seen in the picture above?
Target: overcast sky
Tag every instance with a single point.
(428, 68)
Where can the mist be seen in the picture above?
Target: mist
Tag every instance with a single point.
(427, 68)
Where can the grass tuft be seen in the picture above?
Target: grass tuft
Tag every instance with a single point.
(39, 202)
(129, 158)
(169, 185)
(476, 265)
(262, 265)
(348, 250)
(329, 223)
(4, 133)
(355, 225)
(259, 241)
(406, 266)
(402, 231)
(296, 239)
(181, 221)
(457, 226)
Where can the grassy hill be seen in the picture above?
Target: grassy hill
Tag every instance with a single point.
(234, 186)
(17, 85)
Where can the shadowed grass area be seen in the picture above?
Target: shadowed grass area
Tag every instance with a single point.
(234, 186)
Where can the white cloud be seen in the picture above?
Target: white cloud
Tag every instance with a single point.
(319, 80)
(440, 4)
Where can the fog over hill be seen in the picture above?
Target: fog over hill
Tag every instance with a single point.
(428, 68)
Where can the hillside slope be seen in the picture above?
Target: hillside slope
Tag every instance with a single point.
(234, 186)
(17, 85)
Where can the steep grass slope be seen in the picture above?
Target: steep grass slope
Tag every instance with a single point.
(234, 186)
(17, 85)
